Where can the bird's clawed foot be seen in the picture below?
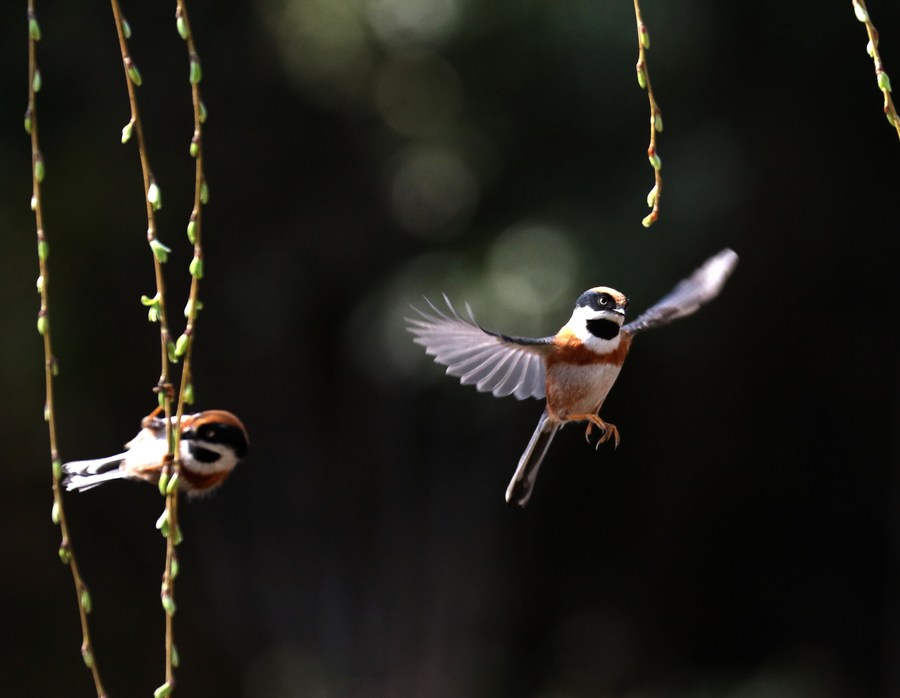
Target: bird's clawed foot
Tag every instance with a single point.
(609, 431)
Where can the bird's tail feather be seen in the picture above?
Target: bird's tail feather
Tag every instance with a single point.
(85, 474)
(519, 490)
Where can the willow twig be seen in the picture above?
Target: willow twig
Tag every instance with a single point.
(171, 467)
(58, 512)
(884, 82)
(185, 343)
(656, 124)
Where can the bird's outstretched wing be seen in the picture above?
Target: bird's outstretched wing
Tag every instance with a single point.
(691, 293)
(492, 362)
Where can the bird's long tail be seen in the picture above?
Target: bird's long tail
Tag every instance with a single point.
(519, 490)
(85, 474)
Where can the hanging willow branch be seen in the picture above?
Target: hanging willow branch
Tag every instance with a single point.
(884, 82)
(168, 483)
(58, 512)
(656, 123)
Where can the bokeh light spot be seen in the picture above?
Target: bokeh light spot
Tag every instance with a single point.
(433, 191)
(324, 45)
(530, 267)
(403, 22)
(417, 95)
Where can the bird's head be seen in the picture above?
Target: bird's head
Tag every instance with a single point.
(216, 438)
(601, 311)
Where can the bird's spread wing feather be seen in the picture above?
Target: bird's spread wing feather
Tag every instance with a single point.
(691, 293)
(490, 361)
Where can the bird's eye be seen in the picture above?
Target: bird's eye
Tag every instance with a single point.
(603, 300)
(209, 434)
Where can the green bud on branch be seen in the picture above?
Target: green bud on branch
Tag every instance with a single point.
(196, 73)
(36, 81)
(39, 171)
(154, 195)
(57, 469)
(168, 603)
(34, 29)
(65, 556)
(176, 660)
(192, 307)
(860, 11)
(654, 160)
(651, 196)
(42, 324)
(126, 28)
(43, 250)
(126, 131)
(181, 26)
(133, 73)
(172, 486)
(202, 113)
(160, 251)
(153, 313)
(645, 37)
(85, 600)
(196, 267)
(641, 75)
(650, 219)
(28, 121)
(181, 345)
(163, 691)
(54, 513)
(87, 656)
(192, 229)
(204, 192)
(884, 82)
(162, 485)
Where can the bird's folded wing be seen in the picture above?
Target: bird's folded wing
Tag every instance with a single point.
(490, 361)
(691, 293)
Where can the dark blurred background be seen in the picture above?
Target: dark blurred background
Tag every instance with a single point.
(741, 542)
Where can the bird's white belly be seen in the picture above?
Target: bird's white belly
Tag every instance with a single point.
(579, 389)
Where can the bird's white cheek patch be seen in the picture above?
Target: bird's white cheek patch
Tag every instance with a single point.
(226, 461)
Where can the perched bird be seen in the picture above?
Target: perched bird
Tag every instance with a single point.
(574, 369)
(212, 443)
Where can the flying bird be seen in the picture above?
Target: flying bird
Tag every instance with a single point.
(574, 369)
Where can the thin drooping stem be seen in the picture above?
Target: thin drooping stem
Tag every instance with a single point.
(58, 513)
(195, 227)
(152, 202)
(884, 82)
(656, 124)
(171, 469)
(184, 346)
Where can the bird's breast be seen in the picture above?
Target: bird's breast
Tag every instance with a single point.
(579, 378)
